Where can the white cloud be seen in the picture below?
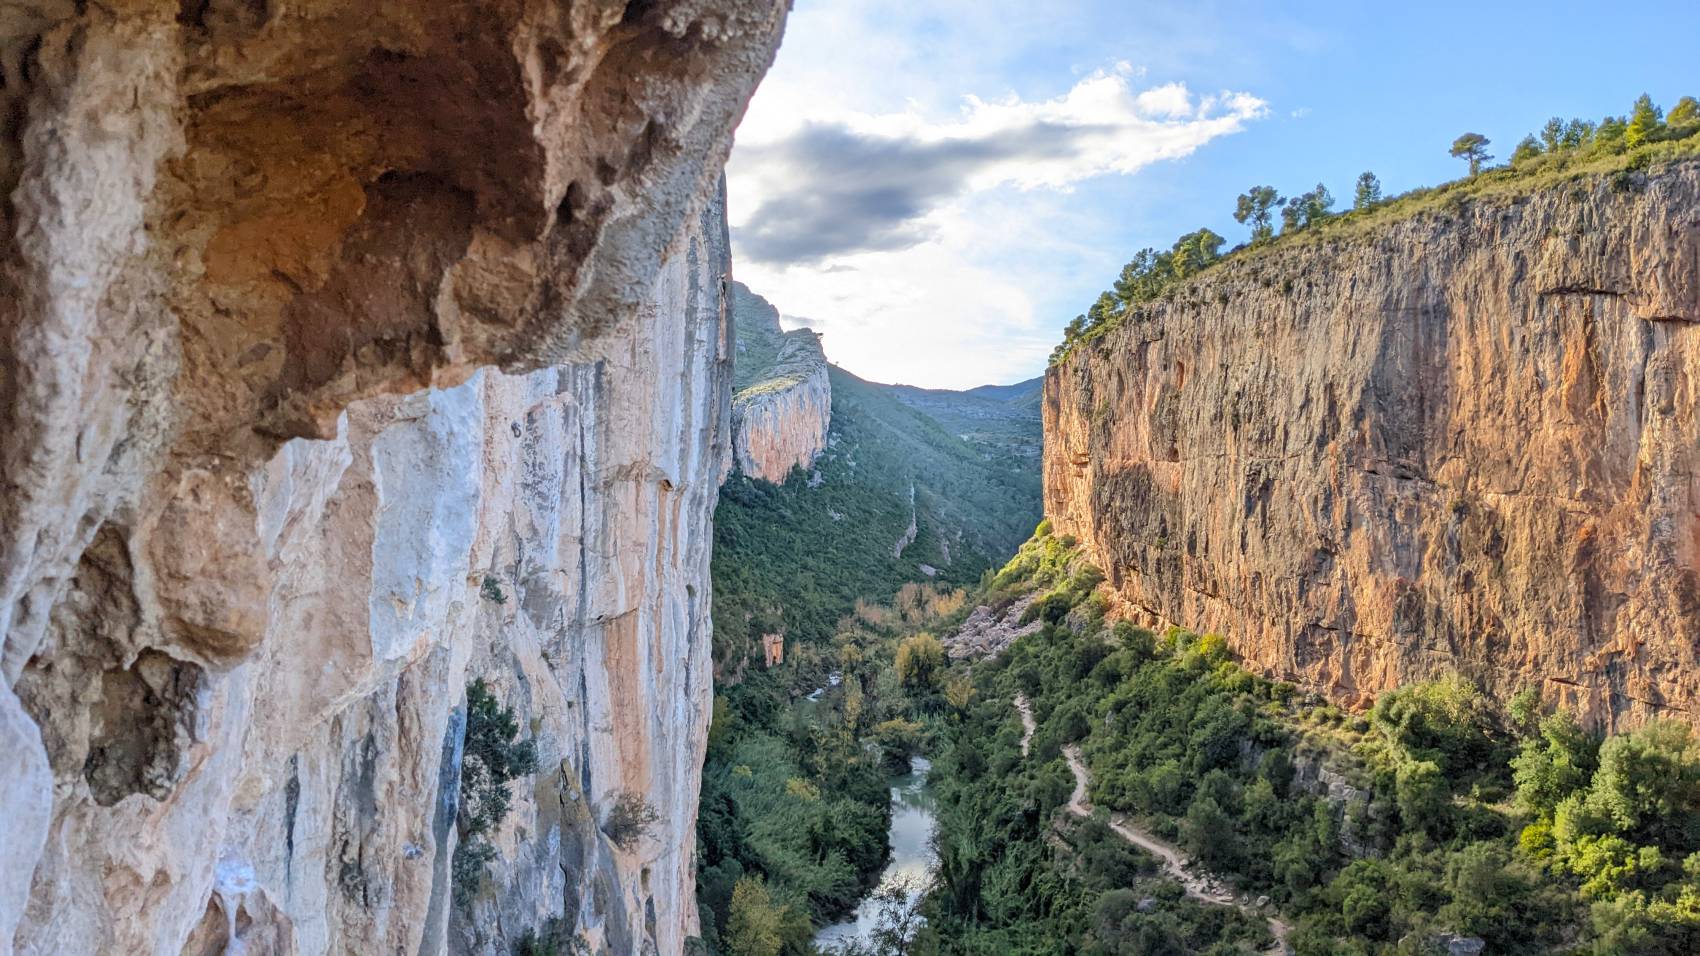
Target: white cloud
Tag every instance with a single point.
(922, 231)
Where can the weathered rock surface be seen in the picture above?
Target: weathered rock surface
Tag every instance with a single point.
(1460, 441)
(782, 406)
(259, 480)
(988, 634)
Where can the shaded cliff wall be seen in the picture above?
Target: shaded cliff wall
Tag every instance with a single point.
(1463, 441)
(782, 407)
(256, 468)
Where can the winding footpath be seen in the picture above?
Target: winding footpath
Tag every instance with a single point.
(1174, 862)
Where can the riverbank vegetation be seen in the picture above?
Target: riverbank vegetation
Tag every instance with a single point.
(791, 830)
(1435, 816)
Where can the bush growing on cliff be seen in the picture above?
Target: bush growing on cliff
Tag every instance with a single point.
(629, 819)
(492, 758)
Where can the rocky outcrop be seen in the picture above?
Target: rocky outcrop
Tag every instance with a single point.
(1465, 440)
(347, 352)
(987, 633)
(782, 405)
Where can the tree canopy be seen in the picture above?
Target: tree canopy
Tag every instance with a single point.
(1472, 147)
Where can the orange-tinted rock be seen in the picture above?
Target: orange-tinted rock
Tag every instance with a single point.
(1464, 441)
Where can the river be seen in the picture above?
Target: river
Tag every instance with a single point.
(912, 859)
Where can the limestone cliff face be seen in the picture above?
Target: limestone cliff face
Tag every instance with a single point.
(1461, 441)
(782, 407)
(348, 352)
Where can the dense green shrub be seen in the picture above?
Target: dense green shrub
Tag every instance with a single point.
(1518, 828)
(492, 758)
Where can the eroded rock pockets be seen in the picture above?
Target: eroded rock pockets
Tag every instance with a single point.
(1463, 441)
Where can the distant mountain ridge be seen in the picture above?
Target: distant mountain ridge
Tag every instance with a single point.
(996, 419)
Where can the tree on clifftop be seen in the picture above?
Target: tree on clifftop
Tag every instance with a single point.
(1472, 147)
(1253, 208)
(1686, 112)
(1646, 122)
(1368, 192)
(1307, 208)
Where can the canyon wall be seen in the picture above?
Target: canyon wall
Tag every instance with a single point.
(782, 407)
(349, 352)
(1467, 440)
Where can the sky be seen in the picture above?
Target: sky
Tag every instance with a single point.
(938, 186)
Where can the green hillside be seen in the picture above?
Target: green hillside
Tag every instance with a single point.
(800, 554)
(998, 420)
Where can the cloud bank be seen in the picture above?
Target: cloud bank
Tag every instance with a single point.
(867, 183)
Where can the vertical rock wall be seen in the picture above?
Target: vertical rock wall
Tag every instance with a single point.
(348, 351)
(1464, 441)
(782, 407)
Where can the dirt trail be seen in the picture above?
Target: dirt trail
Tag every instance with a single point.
(1174, 861)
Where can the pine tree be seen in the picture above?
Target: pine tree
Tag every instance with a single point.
(1472, 147)
(1368, 193)
(1253, 208)
(1552, 135)
(1526, 150)
(1646, 122)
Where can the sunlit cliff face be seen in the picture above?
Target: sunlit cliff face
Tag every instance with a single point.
(1458, 442)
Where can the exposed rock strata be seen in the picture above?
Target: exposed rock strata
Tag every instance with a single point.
(782, 408)
(1462, 441)
(253, 479)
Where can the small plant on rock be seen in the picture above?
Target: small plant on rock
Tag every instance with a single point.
(629, 819)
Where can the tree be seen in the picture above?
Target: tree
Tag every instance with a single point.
(1577, 132)
(1135, 281)
(1101, 311)
(1195, 251)
(1209, 832)
(959, 693)
(1306, 209)
(1368, 191)
(1423, 797)
(1253, 209)
(1686, 112)
(1473, 148)
(1554, 764)
(1646, 122)
(753, 928)
(1529, 148)
(1610, 132)
(920, 660)
(492, 760)
(1552, 135)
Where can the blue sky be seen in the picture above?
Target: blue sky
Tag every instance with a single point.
(939, 187)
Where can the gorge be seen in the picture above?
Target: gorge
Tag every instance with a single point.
(416, 539)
